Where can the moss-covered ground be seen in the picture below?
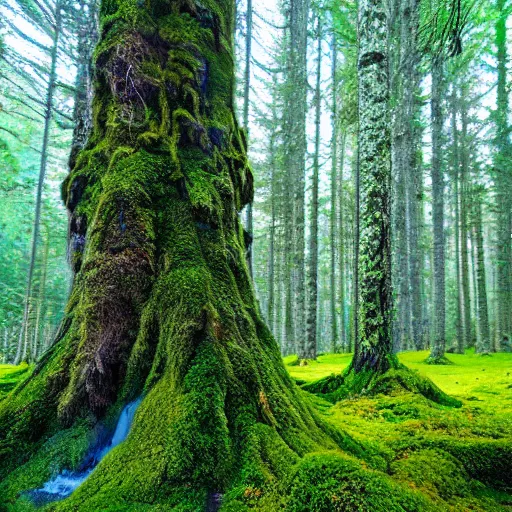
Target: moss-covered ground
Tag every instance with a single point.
(459, 458)
(404, 452)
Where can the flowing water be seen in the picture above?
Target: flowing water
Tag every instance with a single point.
(67, 481)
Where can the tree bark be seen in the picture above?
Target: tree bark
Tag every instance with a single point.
(334, 178)
(374, 346)
(312, 311)
(484, 345)
(439, 341)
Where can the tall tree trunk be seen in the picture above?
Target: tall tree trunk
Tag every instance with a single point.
(247, 90)
(341, 243)
(40, 319)
(484, 345)
(374, 346)
(297, 147)
(23, 349)
(334, 184)
(439, 312)
(311, 319)
(272, 232)
(464, 229)
(461, 339)
(503, 181)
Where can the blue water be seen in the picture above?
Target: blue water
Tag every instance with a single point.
(67, 481)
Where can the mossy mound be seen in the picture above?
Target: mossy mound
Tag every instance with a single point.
(396, 380)
(332, 482)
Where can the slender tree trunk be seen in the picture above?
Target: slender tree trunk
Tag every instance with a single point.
(464, 229)
(484, 345)
(341, 243)
(247, 90)
(461, 338)
(439, 316)
(22, 352)
(334, 185)
(272, 231)
(503, 182)
(312, 311)
(37, 345)
(299, 11)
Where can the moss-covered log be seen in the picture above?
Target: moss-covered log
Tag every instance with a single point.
(162, 304)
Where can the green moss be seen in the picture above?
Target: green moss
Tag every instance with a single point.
(332, 482)
(433, 472)
(11, 376)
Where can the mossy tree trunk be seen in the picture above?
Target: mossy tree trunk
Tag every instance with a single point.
(162, 303)
(374, 141)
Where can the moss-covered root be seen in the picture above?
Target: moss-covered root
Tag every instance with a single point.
(395, 380)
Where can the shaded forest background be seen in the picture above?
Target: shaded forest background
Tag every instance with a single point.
(297, 99)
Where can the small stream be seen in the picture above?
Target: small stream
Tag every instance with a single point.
(67, 481)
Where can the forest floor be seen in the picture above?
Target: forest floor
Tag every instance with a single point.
(459, 459)
(452, 456)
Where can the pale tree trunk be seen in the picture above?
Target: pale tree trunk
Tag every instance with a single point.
(22, 352)
(341, 243)
(271, 312)
(312, 303)
(439, 311)
(40, 309)
(484, 345)
(461, 339)
(502, 167)
(334, 184)
(297, 146)
(247, 90)
(464, 229)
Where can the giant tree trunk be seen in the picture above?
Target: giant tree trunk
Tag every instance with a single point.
(162, 304)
